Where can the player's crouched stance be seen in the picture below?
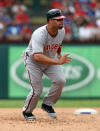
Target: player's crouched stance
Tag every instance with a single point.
(41, 57)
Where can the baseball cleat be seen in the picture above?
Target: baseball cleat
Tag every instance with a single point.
(49, 110)
(28, 116)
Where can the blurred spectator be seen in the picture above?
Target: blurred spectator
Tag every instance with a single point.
(14, 21)
(57, 4)
(2, 29)
(82, 18)
(88, 31)
(68, 34)
(13, 31)
(78, 9)
(5, 3)
(68, 9)
(2, 3)
(21, 17)
(4, 14)
(98, 22)
(5, 18)
(64, 5)
(68, 6)
(75, 29)
(68, 22)
(19, 6)
(26, 32)
(9, 2)
(9, 5)
(91, 13)
(93, 3)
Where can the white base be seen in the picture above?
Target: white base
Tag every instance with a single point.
(86, 111)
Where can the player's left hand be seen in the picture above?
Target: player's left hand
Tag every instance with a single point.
(65, 59)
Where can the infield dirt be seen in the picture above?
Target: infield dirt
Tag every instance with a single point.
(11, 119)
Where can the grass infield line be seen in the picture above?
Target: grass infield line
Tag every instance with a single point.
(60, 103)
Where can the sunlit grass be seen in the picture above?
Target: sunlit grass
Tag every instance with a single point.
(60, 103)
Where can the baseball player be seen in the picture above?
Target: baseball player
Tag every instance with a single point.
(43, 55)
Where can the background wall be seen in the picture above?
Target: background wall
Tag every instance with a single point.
(3, 71)
(82, 74)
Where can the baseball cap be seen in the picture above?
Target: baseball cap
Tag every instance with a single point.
(55, 14)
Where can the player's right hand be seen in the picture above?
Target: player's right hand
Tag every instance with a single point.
(64, 59)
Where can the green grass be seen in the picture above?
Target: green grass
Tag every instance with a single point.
(60, 103)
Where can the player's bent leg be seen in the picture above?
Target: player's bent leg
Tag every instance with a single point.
(56, 74)
(54, 93)
(57, 77)
(31, 100)
(30, 103)
(35, 78)
(52, 97)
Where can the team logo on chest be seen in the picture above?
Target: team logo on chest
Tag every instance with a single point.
(54, 46)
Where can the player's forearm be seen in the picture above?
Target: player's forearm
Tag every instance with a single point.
(45, 60)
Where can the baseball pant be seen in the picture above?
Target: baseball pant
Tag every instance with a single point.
(35, 73)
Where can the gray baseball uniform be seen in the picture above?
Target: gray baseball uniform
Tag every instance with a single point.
(42, 42)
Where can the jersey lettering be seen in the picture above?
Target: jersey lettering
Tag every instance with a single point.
(52, 47)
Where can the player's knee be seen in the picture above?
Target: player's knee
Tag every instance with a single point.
(37, 89)
(37, 92)
(61, 82)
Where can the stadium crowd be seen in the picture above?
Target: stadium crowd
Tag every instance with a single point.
(82, 20)
(14, 20)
